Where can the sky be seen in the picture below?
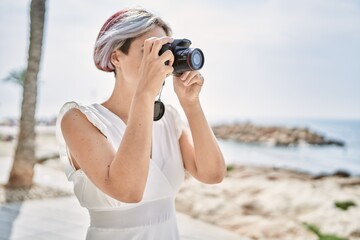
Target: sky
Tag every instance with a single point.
(263, 59)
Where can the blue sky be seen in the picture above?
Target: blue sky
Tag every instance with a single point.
(264, 59)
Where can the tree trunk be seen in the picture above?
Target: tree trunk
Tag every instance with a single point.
(22, 171)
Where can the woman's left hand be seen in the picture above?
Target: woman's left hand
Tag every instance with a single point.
(200, 152)
(188, 86)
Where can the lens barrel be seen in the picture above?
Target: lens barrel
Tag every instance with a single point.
(195, 58)
(185, 58)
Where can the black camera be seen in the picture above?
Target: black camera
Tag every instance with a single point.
(185, 58)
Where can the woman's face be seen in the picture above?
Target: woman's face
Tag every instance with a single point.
(130, 63)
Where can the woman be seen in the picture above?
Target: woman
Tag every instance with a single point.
(127, 168)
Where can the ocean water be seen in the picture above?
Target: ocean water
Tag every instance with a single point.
(312, 159)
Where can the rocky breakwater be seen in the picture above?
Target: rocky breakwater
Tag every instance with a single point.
(271, 135)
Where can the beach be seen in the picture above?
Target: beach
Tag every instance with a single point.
(258, 202)
(273, 203)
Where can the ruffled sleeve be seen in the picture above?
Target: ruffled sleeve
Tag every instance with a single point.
(88, 111)
(69, 167)
(63, 151)
(66, 107)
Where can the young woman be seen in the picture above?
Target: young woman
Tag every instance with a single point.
(127, 168)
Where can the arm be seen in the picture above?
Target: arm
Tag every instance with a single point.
(122, 173)
(202, 156)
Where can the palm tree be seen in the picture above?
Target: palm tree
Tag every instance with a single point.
(16, 76)
(22, 171)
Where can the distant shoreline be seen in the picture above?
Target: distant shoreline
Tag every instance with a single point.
(236, 153)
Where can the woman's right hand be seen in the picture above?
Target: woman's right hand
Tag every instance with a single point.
(153, 70)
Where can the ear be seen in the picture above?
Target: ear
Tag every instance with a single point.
(115, 58)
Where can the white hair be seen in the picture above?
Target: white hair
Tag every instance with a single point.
(121, 27)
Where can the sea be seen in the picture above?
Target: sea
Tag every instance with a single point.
(317, 160)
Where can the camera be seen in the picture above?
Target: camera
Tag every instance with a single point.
(185, 58)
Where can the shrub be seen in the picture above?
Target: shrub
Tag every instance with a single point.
(345, 205)
(315, 229)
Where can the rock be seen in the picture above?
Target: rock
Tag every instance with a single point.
(7, 138)
(274, 136)
(339, 173)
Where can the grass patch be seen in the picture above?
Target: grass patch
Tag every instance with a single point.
(230, 167)
(322, 236)
(344, 205)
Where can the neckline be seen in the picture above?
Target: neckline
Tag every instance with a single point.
(122, 122)
(111, 113)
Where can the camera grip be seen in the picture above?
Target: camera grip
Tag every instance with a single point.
(164, 48)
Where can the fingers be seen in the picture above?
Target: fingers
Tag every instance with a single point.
(151, 50)
(148, 45)
(184, 75)
(158, 43)
(168, 70)
(192, 77)
(167, 56)
(153, 45)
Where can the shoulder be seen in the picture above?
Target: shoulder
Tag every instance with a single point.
(74, 125)
(71, 118)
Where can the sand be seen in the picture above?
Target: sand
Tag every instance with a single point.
(269, 203)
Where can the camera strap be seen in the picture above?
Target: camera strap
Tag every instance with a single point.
(159, 107)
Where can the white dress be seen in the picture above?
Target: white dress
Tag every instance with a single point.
(152, 218)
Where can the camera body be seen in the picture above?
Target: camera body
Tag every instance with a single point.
(185, 58)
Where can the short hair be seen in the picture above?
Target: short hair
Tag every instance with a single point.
(120, 30)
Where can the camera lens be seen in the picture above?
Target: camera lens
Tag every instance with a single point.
(196, 58)
(185, 58)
